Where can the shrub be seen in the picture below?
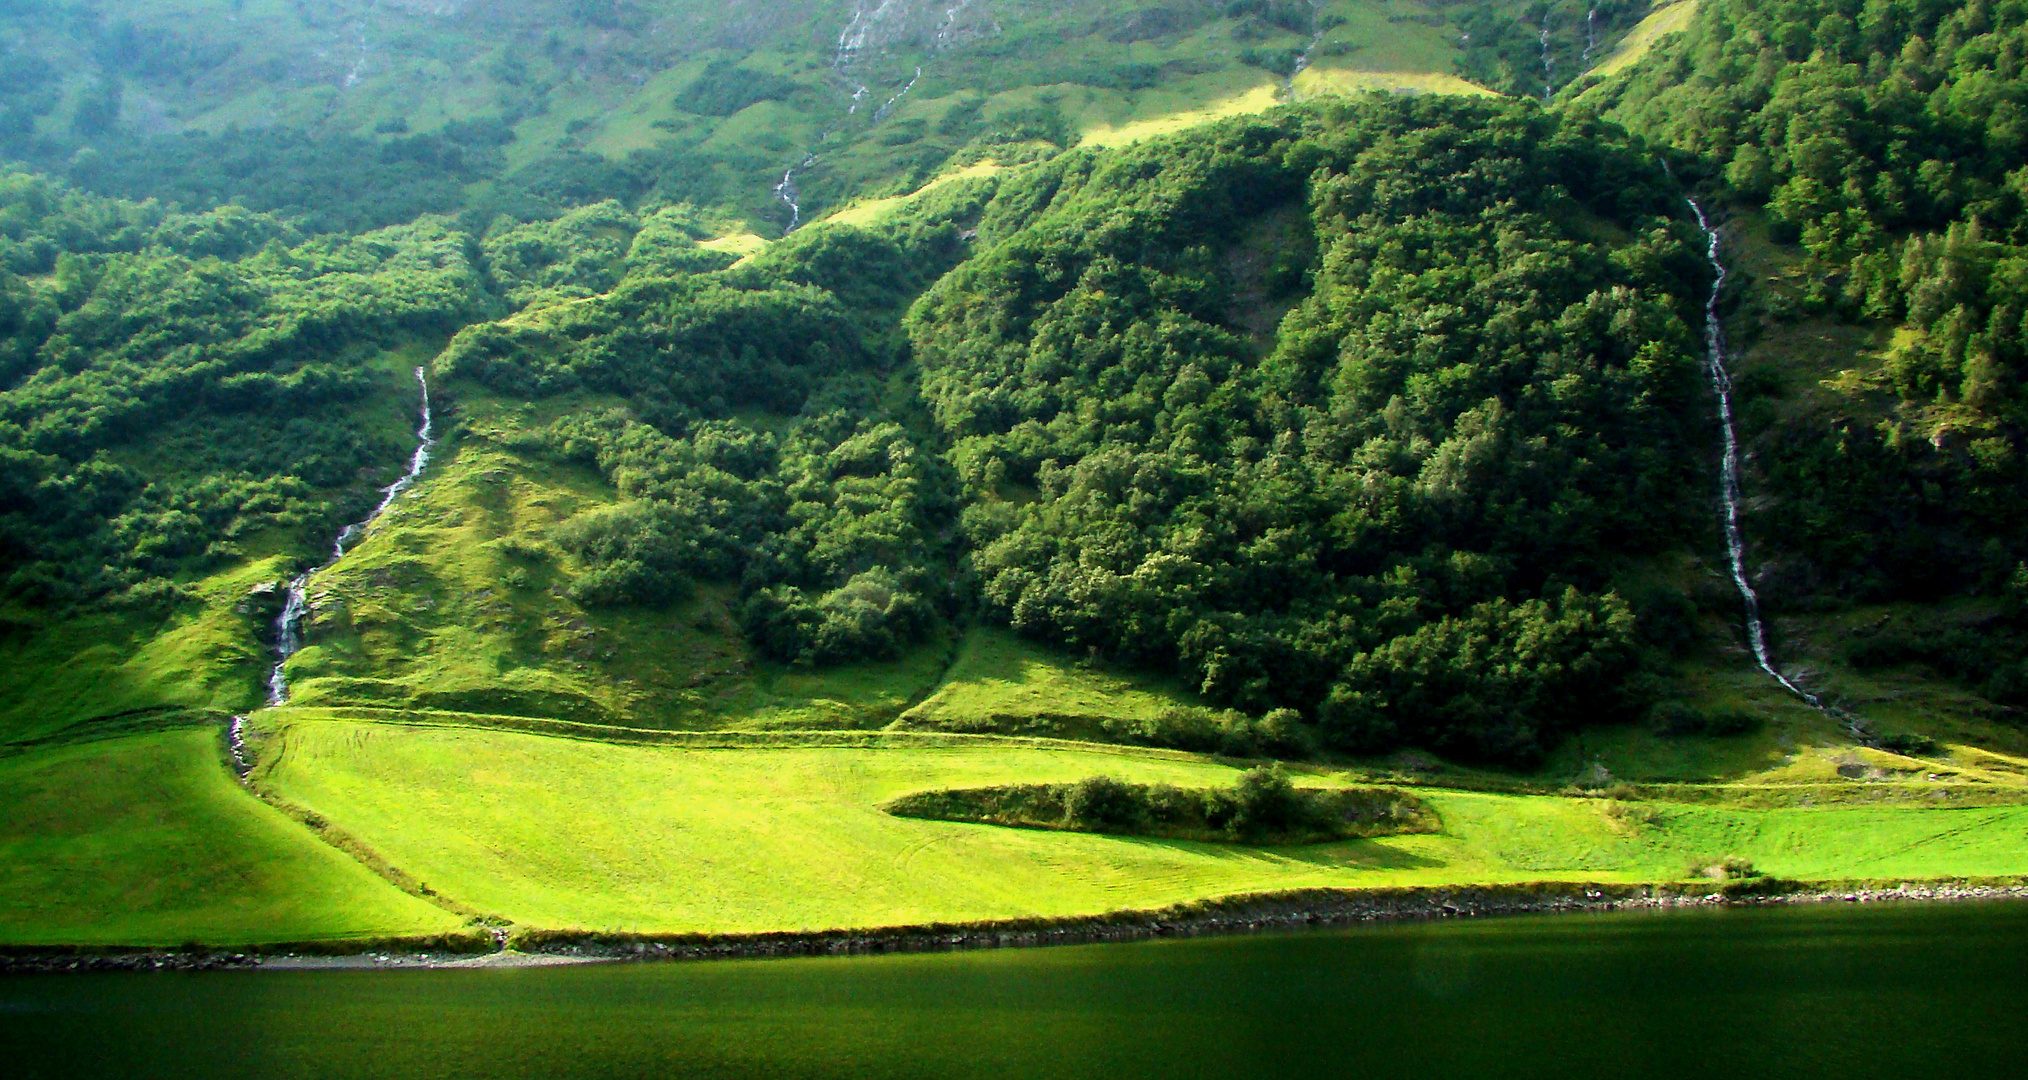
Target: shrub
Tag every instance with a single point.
(870, 617)
(635, 552)
(1102, 803)
(1909, 745)
(725, 88)
(1630, 816)
(1262, 808)
(1263, 802)
(1281, 733)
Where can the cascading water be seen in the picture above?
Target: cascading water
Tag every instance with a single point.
(1303, 58)
(235, 744)
(1548, 62)
(289, 624)
(881, 113)
(1728, 469)
(786, 191)
(359, 65)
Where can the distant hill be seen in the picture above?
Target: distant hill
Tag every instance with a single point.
(360, 113)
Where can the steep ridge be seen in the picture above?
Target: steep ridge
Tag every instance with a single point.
(1233, 660)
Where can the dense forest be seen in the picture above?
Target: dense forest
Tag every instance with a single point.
(227, 343)
(1403, 516)
(1376, 409)
(1887, 139)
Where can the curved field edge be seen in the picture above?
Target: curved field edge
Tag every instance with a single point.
(662, 839)
(146, 840)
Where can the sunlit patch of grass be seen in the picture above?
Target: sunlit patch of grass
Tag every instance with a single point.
(871, 211)
(148, 841)
(1259, 99)
(568, 832)
(998, 680)
(1660, 23)
(1313, 82)
(743, 244)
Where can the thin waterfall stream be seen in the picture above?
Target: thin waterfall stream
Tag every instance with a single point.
(1548, 62)
(1303, 58)
(786, 191)
(289, 624)
(1729, 491)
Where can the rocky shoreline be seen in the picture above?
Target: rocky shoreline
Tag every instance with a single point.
(1264, 913)
(1250, 914)
(39, 963)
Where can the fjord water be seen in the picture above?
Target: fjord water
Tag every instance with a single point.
(1830, 990)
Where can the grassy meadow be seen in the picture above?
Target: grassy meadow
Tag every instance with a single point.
(576, 833)
(1001, 683)
(1665, 19)
(147, 840)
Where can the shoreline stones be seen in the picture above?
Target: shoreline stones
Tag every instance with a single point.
(1270, 913)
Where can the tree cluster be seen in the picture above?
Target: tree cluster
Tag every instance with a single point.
(1399, 515)
(1889, 138)
(171, 384)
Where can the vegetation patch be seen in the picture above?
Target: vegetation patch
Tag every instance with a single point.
(1263, 807)
(1729, 868)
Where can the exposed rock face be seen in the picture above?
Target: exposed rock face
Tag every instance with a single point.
(928, 24)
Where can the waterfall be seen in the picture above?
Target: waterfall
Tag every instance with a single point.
(1548, 64)
(359, 65)
(951, 14)
(786, 191)
(1728, 469)
(289, 624)
(1590, 37)
(881, 113)
(866, 18)
(235, 744)
(1303, 58)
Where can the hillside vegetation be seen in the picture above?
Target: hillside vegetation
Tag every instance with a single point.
(1877, 147)
(357, 113)
(838, 402)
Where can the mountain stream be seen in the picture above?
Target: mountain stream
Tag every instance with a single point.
(289, 624)
(1729, 486)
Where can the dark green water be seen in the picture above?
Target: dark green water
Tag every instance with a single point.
(1842, 991)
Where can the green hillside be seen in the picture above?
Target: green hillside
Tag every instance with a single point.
(361, 112)
(835, 401)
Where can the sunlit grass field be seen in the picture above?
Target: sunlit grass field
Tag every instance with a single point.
(1666, 19)
(999, 681)
(568, 833)
(147, 840)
